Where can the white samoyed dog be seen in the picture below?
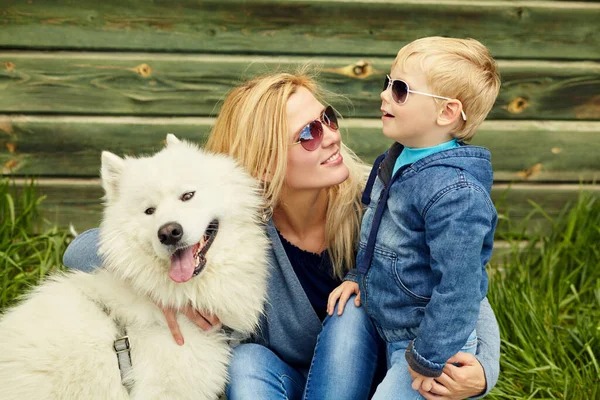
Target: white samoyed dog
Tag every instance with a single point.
(180, 227)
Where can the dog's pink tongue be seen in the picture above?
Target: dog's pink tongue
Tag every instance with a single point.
(182, 265)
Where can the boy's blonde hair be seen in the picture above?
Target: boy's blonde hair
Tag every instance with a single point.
(460, 69)
(252, 127)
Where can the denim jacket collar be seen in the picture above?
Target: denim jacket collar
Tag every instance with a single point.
(387, 166)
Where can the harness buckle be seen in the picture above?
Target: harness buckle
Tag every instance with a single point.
(122, 345)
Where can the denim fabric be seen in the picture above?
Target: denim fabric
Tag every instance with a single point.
(346, 352)
(426, 236)
(82, 253)
(256, 372)
(349, 351)
(397, 382)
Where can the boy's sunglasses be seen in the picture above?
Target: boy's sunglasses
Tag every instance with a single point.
(400, 91)
(311, 135)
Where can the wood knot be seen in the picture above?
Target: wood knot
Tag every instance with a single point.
(361, 69)
(9, 166)
(518, 105)
(144, 70)
(530, 172)
(520, 11)
(9, 66)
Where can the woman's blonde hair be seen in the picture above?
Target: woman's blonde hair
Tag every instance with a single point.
(252, 127)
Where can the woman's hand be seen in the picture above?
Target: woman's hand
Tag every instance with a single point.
(343, 293)
(456, 383)
(204, 321)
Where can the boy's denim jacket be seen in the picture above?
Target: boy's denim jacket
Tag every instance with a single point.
(426, 236)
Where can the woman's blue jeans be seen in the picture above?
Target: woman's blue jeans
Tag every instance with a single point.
(343, 365)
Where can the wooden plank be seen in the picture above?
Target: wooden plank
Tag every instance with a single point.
(71, 146)
(519, 206)
(511, 29)
(174, 84)
(551, 151)
(78, 202)
(539, 151)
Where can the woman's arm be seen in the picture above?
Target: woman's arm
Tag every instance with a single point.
(82, 253)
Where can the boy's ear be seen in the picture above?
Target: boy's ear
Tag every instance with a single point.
(110, 172)
(450, 113)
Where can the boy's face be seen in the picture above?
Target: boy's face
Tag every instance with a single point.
(414, 123)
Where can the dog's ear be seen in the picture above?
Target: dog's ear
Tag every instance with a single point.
(172, 139)
(112, 167)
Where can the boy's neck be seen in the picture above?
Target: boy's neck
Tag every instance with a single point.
(427, 140)
(446, 142)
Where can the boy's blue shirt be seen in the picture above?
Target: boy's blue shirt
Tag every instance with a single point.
(425, 239)
(410, 155)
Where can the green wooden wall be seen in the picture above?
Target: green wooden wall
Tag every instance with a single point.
(78, 77)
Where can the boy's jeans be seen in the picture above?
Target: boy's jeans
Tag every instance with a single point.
(397, 382)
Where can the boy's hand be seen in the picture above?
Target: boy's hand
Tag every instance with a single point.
(343, 293)
(423, 383)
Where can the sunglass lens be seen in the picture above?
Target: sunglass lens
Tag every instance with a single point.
(313, 140)
(399, 91)
(330, 118)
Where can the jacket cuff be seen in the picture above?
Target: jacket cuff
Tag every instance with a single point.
(421, 365)
(352, 275)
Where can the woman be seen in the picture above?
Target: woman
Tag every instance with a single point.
(277, 129)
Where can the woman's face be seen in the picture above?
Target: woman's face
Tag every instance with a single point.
(321, 168)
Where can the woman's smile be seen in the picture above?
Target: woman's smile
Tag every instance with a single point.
(335, 159)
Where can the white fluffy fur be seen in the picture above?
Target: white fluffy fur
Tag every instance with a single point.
(57, 344)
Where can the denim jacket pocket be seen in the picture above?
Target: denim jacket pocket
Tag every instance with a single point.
(375, 293)
(418, 298)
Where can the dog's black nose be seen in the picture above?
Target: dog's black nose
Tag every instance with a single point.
(170, 233)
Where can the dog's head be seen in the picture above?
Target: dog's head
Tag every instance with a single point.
(179, 220)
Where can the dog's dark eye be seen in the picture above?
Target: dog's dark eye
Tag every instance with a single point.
(149, 211)
(187, 196)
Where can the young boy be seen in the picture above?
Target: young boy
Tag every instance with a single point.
(428, 230)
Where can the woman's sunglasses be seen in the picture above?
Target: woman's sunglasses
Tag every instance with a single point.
(311, 135)
(400, 91)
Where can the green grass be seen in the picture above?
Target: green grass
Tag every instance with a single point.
(547, 301)
(546, 296)
(28, 250)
